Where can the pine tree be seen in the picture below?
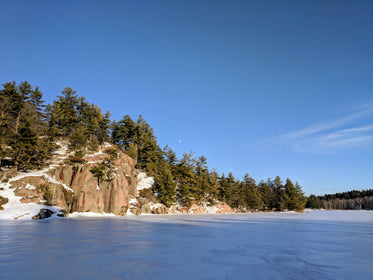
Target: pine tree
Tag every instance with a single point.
(165, 184)
(63, 114)
(186, 180)
(214, 186)
(23, 148)
(124, 133)
(202, 179)
(104, 124)
(99, 171)
(13, 99)
(266, 194)
(36, 105)
(314, 202)
(301, 198)
(253, 198)
(148, 151)
(78, 138)
(279, 195)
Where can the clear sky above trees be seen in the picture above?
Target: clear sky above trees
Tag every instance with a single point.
(266, 87)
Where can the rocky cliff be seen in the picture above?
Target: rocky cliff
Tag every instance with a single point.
(68, 186)
(72, 186)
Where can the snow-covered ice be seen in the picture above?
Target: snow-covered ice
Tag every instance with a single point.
(316, 245)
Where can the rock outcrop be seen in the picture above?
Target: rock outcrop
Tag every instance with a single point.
(74, 188)
(70, 185)
(145, 206)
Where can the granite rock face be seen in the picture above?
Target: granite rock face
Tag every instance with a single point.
(76, 189)
(74, 186)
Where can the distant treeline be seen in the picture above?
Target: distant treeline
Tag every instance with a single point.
(351, 200)
(30, 131)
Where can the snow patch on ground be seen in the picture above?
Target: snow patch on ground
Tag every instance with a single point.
(17, 210)
(211, 209)
(144, 182)
(90, 214)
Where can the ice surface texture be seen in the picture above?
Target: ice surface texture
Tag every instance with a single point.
(316, 245)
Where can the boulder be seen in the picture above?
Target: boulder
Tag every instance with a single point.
(43, 214)
(160, 210)
(3, 200)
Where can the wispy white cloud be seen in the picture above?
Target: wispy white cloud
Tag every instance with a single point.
(355, 130)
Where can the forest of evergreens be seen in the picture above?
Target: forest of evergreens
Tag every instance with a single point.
(351, 200)
(29, 129)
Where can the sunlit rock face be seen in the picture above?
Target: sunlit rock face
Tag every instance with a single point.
(68, 186)
(75, 189)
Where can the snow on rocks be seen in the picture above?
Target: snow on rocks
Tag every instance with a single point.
(16, 210)
(63, 148)
(144, 182)
(157, 205)
(29, 187)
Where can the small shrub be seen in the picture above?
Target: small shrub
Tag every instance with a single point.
(147, 193)
(75, 160)
(79, 153)
(112, 152)
(47, 194)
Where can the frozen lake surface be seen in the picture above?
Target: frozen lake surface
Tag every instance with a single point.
(316, 245)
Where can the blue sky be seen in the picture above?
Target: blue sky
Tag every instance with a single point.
(265, 87)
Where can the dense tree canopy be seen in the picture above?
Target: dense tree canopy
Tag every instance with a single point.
(351, 200)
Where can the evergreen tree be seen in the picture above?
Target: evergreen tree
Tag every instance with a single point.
(202, 179)
(14, 99)
(63, 114)
(104, 125)
(223, 193)
(124, 133)
(21, 125)
(99, 171)
(279, 195)
(169, 156)
(165, 184)
(24, 150)
(253, 198)
(290, 195)
(148, 151)
(266, 194)
(214, 186)
(300, 198)
(186, 180)
(36, 109)
(78, 139)
(314, 202)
